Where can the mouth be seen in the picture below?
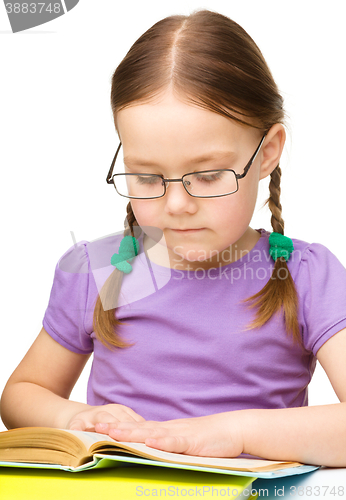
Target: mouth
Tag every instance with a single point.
(191, 230)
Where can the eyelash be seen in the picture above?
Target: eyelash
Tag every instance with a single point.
(204, 178)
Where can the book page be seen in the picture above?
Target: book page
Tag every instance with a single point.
(84, 444)
(93, 441)
(90, 438)
(245, 464)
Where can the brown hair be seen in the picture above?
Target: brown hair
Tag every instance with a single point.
(211, 61)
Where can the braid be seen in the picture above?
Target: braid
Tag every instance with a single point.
(280, 292)
(130, 220)
(274, 201)
(105, 322)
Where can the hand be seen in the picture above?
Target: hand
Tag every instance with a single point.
(218, 435)
(113, 413)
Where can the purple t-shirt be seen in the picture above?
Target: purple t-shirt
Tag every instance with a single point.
(192, 353)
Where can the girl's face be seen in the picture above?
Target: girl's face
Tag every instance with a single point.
(170, 137)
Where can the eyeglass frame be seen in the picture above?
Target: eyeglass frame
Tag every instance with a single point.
(110, 176)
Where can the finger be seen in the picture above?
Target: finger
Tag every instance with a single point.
(141, 429)
(105, 427)
(88, 424)
(103, 417)
(173, 444)
(130, 425)
(101, 428)
(134, 433)
(145, 424)
(126, 414)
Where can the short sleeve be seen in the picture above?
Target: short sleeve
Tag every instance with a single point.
(321, 286)
(65, 316)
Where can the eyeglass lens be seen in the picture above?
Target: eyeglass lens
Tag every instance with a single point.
(208, 183)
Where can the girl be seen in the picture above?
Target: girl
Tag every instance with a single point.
(205, 332)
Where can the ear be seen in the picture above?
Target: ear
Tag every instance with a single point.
(272, 149)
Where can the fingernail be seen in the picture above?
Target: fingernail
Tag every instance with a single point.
(103, 427)
(117, 432)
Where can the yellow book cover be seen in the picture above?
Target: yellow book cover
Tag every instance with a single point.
(123, 483)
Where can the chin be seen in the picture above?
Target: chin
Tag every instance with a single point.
(196, 255)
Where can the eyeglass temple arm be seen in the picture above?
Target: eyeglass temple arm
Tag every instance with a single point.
(109, 175)
(252, 159)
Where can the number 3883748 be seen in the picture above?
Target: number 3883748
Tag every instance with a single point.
(32, 8)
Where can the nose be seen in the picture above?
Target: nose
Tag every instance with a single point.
(177, 200)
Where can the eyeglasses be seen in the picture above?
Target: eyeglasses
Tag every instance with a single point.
(203, 184)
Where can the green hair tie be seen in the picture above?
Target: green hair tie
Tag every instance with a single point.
(280, 246)
(129, 248)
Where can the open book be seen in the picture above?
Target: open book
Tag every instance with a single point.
(79, 450)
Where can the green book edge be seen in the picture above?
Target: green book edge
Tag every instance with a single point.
(111, 461)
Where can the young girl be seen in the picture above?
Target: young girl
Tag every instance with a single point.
(205, 332)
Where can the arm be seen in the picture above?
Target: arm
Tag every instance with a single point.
(37, 392)
(312, 435)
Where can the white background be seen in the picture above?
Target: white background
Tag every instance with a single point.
(58, 140)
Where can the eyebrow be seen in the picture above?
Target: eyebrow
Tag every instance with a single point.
(216, 155)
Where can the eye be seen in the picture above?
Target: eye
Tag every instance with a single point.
(209, 177)
(148, 179)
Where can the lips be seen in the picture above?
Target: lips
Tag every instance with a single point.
(189, 230)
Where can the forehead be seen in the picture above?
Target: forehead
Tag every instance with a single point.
(173, 122)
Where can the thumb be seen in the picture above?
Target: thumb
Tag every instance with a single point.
(78, 424)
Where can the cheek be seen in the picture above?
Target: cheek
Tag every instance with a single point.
(234, 210)
(245, 198)
(145, 211)
(147, 214)
(231, 216)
